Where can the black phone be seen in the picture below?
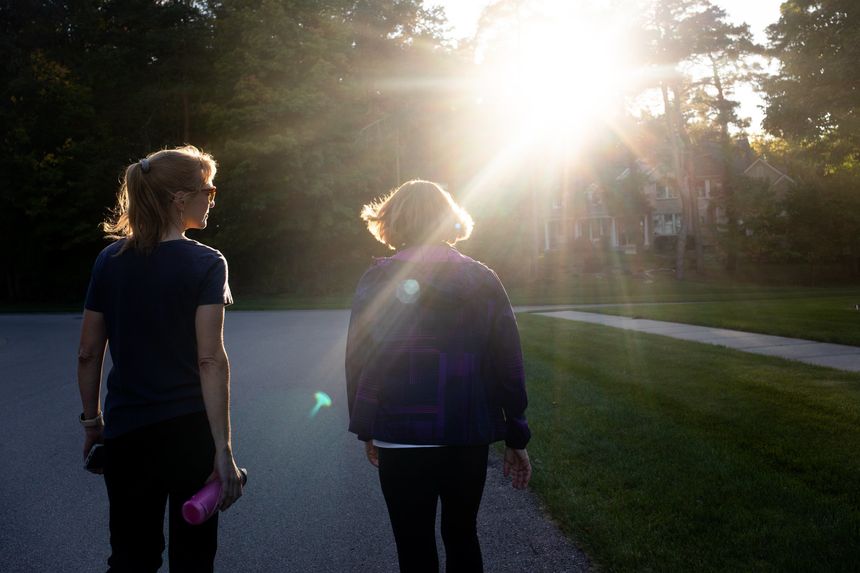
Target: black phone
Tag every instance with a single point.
(95, 461)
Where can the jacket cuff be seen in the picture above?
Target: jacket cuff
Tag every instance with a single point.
(518, 434)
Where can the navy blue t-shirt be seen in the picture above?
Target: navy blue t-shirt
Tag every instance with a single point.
(149, 304)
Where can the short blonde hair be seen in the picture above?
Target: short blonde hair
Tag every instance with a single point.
(418, 212)
(142, 211)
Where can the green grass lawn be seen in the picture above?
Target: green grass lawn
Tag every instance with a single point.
(828, 319)
(585, 289)
(656, 454)
(615, 288)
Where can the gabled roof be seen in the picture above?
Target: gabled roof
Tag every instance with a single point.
(652, 173)
(779, 174)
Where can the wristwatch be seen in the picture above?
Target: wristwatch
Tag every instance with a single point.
(92, 422)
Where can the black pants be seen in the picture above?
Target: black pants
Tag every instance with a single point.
(412, 481)
(143, 469)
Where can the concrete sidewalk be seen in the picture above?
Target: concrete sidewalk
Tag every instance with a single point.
(838, 356)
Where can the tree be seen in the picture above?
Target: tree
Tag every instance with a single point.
(811, 105)
(670, 45)
(727, 50)
(88, 87)
(762, 221)
(815, 96)
(279, 91)
(686, 32)
(308, 117)
(832, 199)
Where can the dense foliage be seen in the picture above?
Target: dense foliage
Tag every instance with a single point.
(293, 98)
(815, 97)
(313, 108)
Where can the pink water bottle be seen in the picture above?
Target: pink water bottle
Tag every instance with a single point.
(201, 506)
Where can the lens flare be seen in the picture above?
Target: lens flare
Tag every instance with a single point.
(323, 401)
(408, 291)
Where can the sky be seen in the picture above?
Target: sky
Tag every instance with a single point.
(463, 16)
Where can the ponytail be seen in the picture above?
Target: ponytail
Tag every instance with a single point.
(142, 213)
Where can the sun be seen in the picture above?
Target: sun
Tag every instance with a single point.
(558, 69)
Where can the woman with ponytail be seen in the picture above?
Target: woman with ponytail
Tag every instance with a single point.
(158, 298)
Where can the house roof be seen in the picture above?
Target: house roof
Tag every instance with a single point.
(652, 173)
(779, 174)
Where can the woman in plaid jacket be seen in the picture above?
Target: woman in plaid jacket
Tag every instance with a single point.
(434, 374)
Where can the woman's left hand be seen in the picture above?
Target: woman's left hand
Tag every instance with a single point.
(93, 436)
(372, 453)
(228, 474)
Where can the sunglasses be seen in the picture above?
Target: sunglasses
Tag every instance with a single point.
(210, 191)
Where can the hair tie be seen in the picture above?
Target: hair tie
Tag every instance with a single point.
(144, 165)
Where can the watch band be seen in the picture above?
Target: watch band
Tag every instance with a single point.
(92, 422)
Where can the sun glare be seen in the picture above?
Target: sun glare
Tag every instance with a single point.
(552, 74)
(563, 70)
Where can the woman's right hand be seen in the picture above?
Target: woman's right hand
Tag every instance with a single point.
(517, 465)
(230, 477)
(372, 453)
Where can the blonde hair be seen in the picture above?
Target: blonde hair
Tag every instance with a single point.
(418, 212)
(142, 211)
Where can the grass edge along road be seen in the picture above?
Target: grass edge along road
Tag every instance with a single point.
(657, 454)
(625, 289)
(825, 319)
(587, 289)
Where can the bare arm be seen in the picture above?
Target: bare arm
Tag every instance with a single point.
(215, 382)
(91, 353)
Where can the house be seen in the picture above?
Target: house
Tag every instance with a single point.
(578, 209)
(779, 181)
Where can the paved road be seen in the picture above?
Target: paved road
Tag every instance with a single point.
(312, 503)
(839, 356)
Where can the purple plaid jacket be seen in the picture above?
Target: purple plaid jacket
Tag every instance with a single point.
(433, 353)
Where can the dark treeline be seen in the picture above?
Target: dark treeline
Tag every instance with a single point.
(313, 108)
(290, 97)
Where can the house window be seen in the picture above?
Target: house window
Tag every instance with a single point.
(667, 223)
(665, 190)
(595, 197)
(605, 227)
(598, 228)
(703, 189)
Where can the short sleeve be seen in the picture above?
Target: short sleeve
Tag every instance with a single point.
(216, 288)
(95, 297)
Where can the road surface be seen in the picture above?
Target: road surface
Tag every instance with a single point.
(312, 502)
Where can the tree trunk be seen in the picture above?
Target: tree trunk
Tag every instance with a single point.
(683, 187)
(692, 210)
(728, 191)
(695, 226)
